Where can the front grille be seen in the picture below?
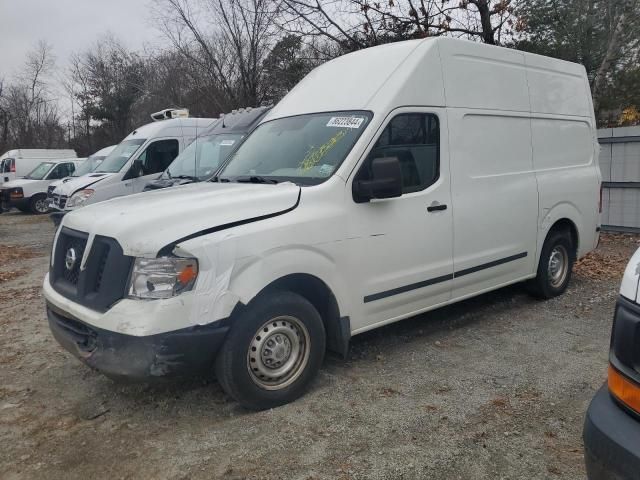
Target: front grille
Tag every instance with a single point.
(102, 281)
(59, 201)
(77, 246)
(102, 263)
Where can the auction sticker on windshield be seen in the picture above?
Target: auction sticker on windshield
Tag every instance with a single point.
(345, 122)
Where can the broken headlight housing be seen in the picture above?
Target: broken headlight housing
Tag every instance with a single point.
(79, 198)
(164, 277)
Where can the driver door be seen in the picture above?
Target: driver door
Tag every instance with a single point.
(61, 170)
(401, 249)
(153, 161)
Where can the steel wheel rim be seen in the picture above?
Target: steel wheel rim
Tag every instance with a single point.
(41, 206)
(278, 353)
(558, 266)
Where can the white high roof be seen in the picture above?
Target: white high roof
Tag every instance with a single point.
(170, 127)
(441, 72)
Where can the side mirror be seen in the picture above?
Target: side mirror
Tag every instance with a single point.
(136, 170)
(386, 181)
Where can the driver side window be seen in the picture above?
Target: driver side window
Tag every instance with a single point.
(61, 170)
(158, 156)
(414, 139)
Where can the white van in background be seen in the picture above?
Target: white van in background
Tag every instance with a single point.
(17, 163)
(389, 182)
(29, 193)
(89, 165)
(141, 157)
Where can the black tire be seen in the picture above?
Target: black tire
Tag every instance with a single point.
(36, 205)
(244, 345)
(545, 285)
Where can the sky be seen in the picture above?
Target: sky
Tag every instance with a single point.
(70, 26)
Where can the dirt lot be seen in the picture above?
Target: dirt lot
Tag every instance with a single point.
(492, 388)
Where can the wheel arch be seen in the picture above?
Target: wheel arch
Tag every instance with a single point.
(563, 216)
(311, 273)
(567, 225)
(320, 295)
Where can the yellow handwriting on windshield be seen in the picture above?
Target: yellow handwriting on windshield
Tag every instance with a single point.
(314, 155)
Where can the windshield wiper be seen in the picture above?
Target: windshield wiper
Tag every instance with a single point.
(185, 177)
(254, 179)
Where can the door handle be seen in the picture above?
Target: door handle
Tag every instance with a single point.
(435, 206)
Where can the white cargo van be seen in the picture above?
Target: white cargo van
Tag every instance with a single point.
(141, 157)
(390, 181)
(17, 163)
(29, 193)
(89, 165)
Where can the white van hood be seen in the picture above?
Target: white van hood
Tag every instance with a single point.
(19, 182)
(78, 183)
(146, 222)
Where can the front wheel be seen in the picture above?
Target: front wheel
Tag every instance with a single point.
(555, 266)
(273, 351)
(39, 204)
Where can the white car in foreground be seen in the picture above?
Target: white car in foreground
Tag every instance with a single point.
(385, 184)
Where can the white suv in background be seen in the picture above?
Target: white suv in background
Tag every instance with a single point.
(140, 158)
(89, 165)
(29, 193)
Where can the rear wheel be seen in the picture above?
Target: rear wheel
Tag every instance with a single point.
(555, 266)
(38, 204)
(273, 351)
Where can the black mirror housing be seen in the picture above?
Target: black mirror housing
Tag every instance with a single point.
(386, 181)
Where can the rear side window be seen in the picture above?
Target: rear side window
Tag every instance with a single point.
(414, 139)
(158, 156)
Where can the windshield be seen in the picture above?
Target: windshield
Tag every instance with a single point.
(119, 156)
(88, 166)
(203, 156)
(40, 171)
(305, 149)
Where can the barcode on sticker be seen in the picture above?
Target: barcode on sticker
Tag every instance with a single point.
(345, 122)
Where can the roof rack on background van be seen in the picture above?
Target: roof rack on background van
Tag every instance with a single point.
(169, 113)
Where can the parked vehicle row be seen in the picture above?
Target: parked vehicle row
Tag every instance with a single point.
(18, 163)
(385, 184)
(139, 158)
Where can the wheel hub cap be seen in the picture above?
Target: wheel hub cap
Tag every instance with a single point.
(276, 350)
(278, 353)
(558, 265)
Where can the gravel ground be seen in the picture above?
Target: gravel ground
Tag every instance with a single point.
(494, 387)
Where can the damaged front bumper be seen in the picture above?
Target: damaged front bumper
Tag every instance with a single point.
(188, 351)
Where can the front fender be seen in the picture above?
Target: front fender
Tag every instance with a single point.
(253, 274)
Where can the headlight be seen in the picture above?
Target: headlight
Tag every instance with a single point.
(163, 277)
(16, 193)
(78, 198)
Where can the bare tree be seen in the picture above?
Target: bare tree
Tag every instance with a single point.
(621, 19)
(226, 51)
(355, 24)
(28, 111)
